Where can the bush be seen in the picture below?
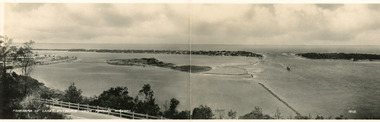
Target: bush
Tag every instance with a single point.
(232, 114)
(256, 114)
(172, 111)
(202, 112)
(19, 92)
(145, 102)
(183, 115)
(48, 93)
(39, 110)
(116, 98)
(72, 94)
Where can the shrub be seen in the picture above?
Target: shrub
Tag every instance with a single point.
(202, 112)
(72, 94)
(116, 98)
(256, 114)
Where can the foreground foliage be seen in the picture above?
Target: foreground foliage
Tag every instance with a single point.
(18, 95)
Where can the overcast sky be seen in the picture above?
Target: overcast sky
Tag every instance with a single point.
(279, 24)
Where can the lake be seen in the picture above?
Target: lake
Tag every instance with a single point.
(316, 87)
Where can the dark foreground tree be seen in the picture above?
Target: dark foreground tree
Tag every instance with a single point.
(256, 114)
(116, 98)
(183, 115)
(172, 111)
(232, 114)
(145, 102)
(25, 58)
(72, 94)
(202, 112)
(6, 51)
(19, 97)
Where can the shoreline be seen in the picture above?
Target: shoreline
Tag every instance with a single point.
(178, 52)
(154, 62)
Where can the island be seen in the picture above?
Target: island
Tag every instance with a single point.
(340, 56)
(154, 62)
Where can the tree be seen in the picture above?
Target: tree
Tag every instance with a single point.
(26, 62)
(5, 51)
(302, 117)
(145, 102)
(172, 111)
(116, 98)
(278, 114)
(202, 112)
(183, 115)
(18, 97)
(256, 114)
(232, 114)
(72, 94)
(319, 117)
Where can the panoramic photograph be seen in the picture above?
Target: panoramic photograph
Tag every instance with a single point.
(174, 61)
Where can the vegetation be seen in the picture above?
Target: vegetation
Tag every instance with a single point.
(202, 112)
(344, 56)
(24, 58)
(158, 63)
(145, 102)
(232, 114)
(172, 111)
(183, 115)
(18, 94)
(116, 98)
(256, 114)
(191, 68)
(72, 94)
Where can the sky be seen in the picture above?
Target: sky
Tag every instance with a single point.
(266, 24)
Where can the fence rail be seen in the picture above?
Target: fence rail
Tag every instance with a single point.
(97, 109)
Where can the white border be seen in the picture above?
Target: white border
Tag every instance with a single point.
(200, 1)
(186, 2)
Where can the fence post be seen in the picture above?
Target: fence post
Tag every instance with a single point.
(53, 102)
(78, 106)
(88, 107)
(69, 104)
(97, 107)
(146, 116)
(120, 112)
(59, 102)
(161, 117)
(133, 115)
(108, 110)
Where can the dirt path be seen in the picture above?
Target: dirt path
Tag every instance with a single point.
(74, 114)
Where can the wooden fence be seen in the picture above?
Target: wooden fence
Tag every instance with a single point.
(97, 109)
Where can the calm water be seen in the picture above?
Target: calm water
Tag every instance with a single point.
(318, 87)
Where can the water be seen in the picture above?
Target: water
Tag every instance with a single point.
(318, 87)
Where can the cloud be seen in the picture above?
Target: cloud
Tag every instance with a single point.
(292, 24)
(107, 23)
(329, 6)
(288, 24)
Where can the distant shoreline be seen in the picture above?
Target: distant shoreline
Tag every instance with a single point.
(341, 56)
(183, 52)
